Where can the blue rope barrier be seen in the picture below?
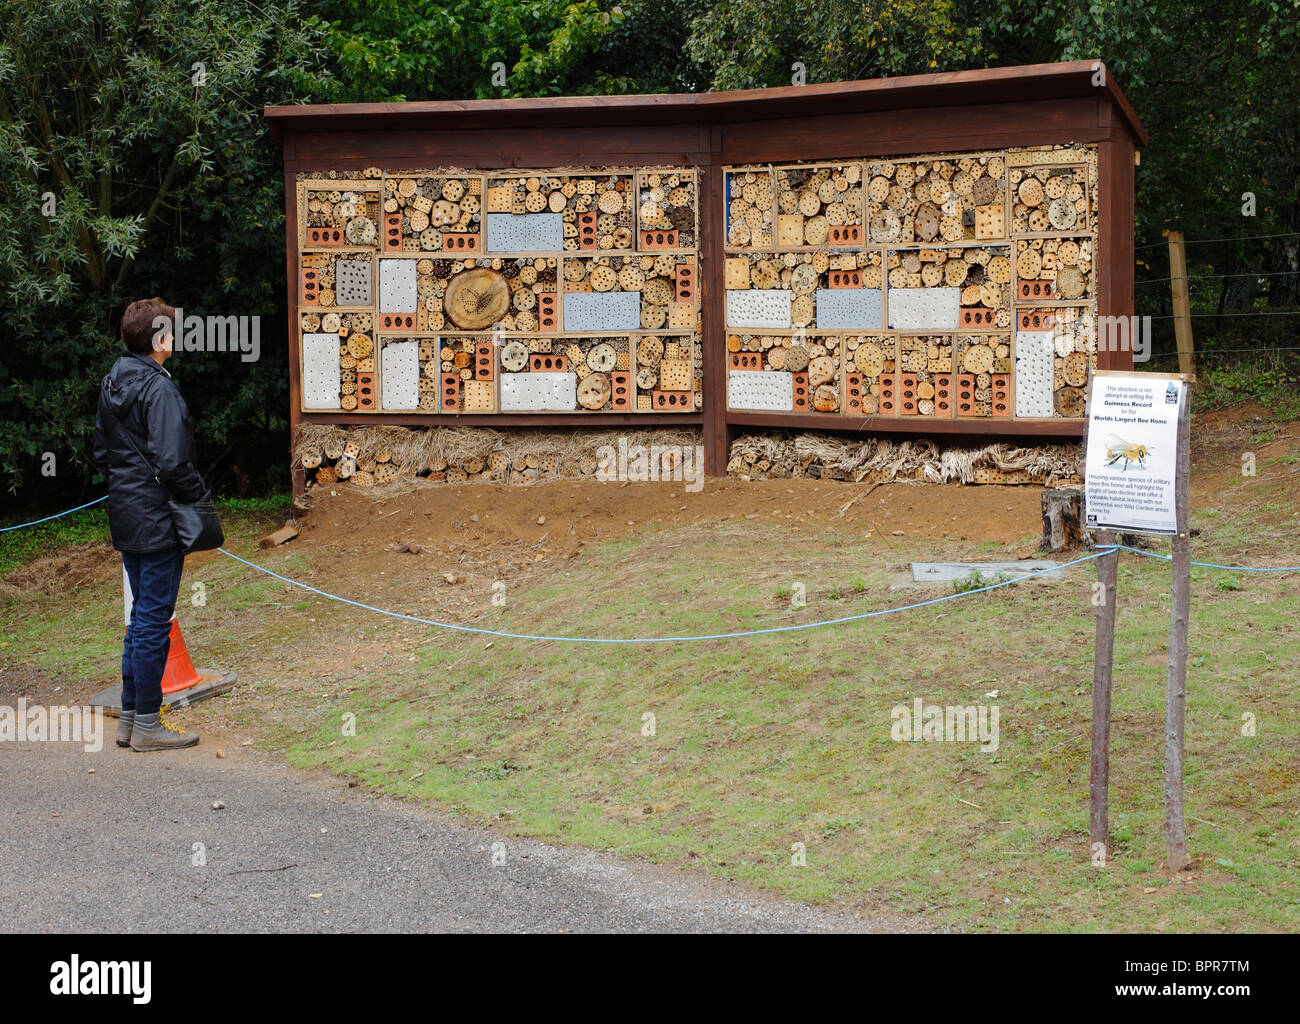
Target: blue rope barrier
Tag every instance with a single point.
(57, 515)
(661, 639)
(1203, 565)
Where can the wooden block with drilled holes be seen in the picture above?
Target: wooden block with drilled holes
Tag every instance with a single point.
(685, 282)
(976, 316)
(675, 401)
(1001, 394)
(907, 394)
(393, 231)
(366, 391)
(845, 278)
(655, 239)
(310, 287)
(620, 390)
(460, 241)
(789, 229)
(846, 234)
(326, 236)
(1035, 291)
(547, 317)
(483, 360)
(746, 360)
(501, 199)
(853, 394)
(681, 316)
(450, 400)
(479, 396)
(547, 362)
(943, 394)
(888, 394)
(990, 222)
(587, 237)
(675, 374)
(1035, 320)
(965, 394)
(737, 272)
(800, 381)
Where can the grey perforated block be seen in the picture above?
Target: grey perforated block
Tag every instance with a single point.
(849, 307)
(767, 390)
(397, 286)
(602, 311)
(759, 308)
(525, 232)
(539, 392)
(1035, 373)
(352, 283)
(399, 378)
(924, 309)
(321, 377)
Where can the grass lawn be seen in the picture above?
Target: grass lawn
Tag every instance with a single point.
(726, 754)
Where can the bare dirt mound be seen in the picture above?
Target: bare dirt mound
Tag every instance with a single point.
(63, 570)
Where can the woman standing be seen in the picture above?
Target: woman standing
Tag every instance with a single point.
(145, 446)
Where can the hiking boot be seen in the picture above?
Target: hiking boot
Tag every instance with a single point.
(154, 732)
(125, 722)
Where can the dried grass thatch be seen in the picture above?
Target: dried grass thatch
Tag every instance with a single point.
(413, 450)
(774, 455)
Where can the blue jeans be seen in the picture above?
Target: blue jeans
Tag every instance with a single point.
(155, 581)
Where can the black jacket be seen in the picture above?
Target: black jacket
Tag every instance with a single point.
(149, 405)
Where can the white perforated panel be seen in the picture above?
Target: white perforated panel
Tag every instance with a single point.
(924, 309)
(848, 307)
(759, 308)
(352, 283)
(321, 379)
(760, 389)
(397, 286)
(399, 376)
(525, 232)
(602, 311)
(539, 392)
(1035, 373)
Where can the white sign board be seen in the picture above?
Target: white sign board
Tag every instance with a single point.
(1132, 453)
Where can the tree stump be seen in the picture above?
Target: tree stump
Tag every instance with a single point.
(1062, 519)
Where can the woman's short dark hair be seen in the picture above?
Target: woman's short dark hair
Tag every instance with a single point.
(138, 328)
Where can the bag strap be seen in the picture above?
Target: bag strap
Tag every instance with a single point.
(132, 441)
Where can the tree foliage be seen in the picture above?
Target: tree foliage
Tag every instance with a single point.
(120, 178)
(164, 187)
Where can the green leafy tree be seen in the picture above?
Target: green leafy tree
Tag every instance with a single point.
(134, 161)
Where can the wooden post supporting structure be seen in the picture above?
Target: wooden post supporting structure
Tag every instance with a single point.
(1182, 304)
(1103, 659)
(1176, 686)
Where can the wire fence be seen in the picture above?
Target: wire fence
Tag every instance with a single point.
(1207, 241)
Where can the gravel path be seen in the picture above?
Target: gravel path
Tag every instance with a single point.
(112, 851)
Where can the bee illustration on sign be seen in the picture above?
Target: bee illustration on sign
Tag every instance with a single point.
(1117, 449)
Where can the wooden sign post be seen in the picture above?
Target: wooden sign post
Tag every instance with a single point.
(1130, 424)
(1176, 684)
(1103, 659)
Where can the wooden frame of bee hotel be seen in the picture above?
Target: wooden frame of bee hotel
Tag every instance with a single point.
(924, 256)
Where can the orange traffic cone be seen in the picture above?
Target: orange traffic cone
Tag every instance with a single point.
(180, 673)
(182, 683)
